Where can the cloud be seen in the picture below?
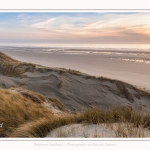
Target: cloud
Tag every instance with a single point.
(79, 27)
(43, 24)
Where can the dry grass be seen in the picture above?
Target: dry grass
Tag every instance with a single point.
(116, 115)
(128, 130)
(123, 114)
(23, 116)
(12, 67)
(75, 72)
(40, 128)
(5, 58)
(35, 97)
(16, 110)
(56, 103)
(16, 69)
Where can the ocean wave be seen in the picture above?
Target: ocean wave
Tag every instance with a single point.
(134, 60)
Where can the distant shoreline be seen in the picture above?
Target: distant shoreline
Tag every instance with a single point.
(129, 47)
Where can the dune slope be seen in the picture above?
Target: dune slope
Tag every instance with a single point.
(75, 90)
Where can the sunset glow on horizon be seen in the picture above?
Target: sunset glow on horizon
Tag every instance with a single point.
(75, 27)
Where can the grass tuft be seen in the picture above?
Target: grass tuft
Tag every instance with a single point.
(56, 103)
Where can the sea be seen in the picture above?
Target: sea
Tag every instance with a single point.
(126, 62)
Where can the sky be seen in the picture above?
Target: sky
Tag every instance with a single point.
(75, 27)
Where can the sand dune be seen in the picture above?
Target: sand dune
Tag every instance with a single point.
(75, 90)
(47, 102)
(98, 131)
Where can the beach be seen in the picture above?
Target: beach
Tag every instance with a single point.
(131, 66)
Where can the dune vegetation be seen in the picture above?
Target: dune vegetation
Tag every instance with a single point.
(131, 119)
(24, 115)
(13, 68)
(16, 109)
